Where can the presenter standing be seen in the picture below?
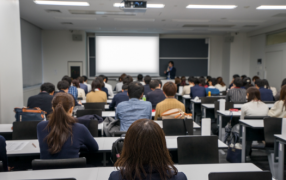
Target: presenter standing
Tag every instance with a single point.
(171, 71)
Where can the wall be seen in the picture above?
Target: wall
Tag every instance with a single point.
(58, 49)
(226, 61)
(11, 83)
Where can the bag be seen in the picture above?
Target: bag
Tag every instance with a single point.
(29, 114)
(110, 126)
(175, 114)
(116, 150)
(234, 148)
(91, 117)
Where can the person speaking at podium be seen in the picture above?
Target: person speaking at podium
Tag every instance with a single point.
(171, 71)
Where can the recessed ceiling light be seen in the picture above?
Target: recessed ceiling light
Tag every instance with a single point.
(267, 7)
(61, 3)
(193, 6)
(148, 5)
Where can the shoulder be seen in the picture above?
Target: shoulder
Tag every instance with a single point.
(115, 175)
(147, 103)
(78, 126)
(2, 139)
(124, 103)
(181, 176)
(42, 124)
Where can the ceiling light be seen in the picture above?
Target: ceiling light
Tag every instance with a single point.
(134, 19)
(61, 3)
(192, 6)
(272, 7)
(148, 5)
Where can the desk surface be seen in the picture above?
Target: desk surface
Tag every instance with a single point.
(281, 137)
(112, 114)
(253, 123)
(196, 172)
(108, 101)
(227, 113)
(237, 106)
(104, 144)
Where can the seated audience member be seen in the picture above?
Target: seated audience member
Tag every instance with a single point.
(266, 94)
(140, 79)
(82, 85)
(72, 89)
(254, 78)
(85, 82)
(63, 87)
(267, 86)
(96, 95)
(147, 89)
(61, 137)
(197, 90)
(211, 88)
(247, 83)
(156, 95)
(183, 81)
(243, 77)
(277, 97)
(119, 97)
(279, 108)
(107, 86)
(208, 79)
(103, 88)
(129, 111)
(178, 83)
(145, 155)
(203, 82)
(127, 80)
(233, 78)
(170, 90)
(187, 88)
(44, 99)
(236, 93)
(220, 84)
(119, 85)
(3, 153)
(80, 91)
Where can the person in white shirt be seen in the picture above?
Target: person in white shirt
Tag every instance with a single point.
(220, 84)
(187, 88)
(140, 79)
(80, 91)
(85, 82)
(118, 87)
(107, 86)
(279, 108)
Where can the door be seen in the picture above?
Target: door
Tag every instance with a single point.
(274, 68)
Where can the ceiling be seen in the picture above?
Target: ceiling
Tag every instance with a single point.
(174, 18)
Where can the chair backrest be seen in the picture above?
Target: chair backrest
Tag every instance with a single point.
(1, 166)
(209, 100)
(261, 175)
(269, 102)
(228, 105)
(83, 112)
(25, 130)
(95, 106)
(92, 126)
(119, 134)
(223, 93)
(254, 117)
(197, 150)
(40, 164)
(177, 127)
(271, 126)
(79, 98)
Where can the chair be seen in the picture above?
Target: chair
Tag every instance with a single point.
(1, 166)
(228, 105)
(197, 150)
(269, 102)
(92, 126)
(223, 93)
(80, 98)
(119, 134)
(25, 130)
(40, 164)
(177, 127)
(254, 117)
(261, 175)
(84, 112)
(209, 100)
(95, 106)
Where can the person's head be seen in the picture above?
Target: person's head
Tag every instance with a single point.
(183, 79)
(140, 77)
(81, 80)
(259, 83)
(84, 78)
(101, 81)
(105, 79)
(265, 84)
(48, 87)
(253, 93)
(122, 77)
(135, 90)
(75, 83)
(96, 84)
(170, 89)
(247, 82)
(60, 121)
(177, 80)
(145, 146)
(124, 87)
(283, 82)
(235, 76)
(127, 80)
(154, 84)
(63, 86)
(212, 82)
(255, 78)
(171, 64)
(191, 80)
(197, 81)
(202, 81)
(243, 77)
(147, 79)
(209, 78)
(283, 95)
(237, 82)
(220, 81)
(160, 82)
(68, 79)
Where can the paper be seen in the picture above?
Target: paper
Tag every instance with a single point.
(16, 146)
(221, 104)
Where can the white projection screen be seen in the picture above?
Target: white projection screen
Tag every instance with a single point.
(127, 54)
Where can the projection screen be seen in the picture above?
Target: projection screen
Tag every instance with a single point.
(127, 54)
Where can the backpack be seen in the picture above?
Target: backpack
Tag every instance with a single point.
(116, 150)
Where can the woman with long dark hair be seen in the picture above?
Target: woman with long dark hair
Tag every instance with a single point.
(279, 108)
(61, 137)
(145, 155)
(220, 84)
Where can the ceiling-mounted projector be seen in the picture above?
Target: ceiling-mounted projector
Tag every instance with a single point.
(135, 6)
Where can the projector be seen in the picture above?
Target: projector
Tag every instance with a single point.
(135, 6)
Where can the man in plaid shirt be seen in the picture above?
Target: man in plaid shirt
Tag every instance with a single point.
(72, 89)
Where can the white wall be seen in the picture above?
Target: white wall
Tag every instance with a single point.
(226, 62)
(11, 83)
(257, 51)
(58, 49)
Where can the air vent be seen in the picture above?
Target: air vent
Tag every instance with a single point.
(67, 23)
(206, 26)
(53, 11)
(82, 12)
(115, 13)
(280, 15)
(250, 26)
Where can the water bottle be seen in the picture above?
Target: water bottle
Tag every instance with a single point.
(209, 94)
(144, 98)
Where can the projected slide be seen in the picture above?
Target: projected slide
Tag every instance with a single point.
(127, 54)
